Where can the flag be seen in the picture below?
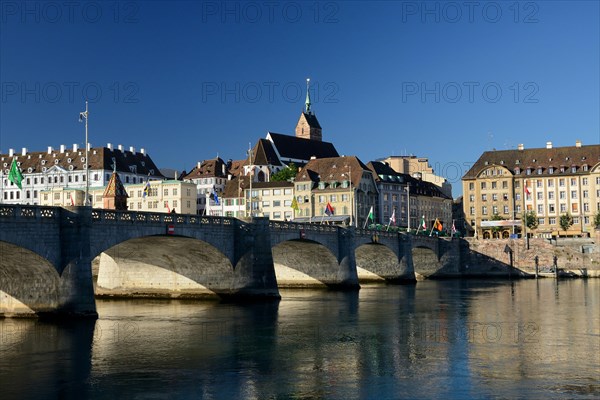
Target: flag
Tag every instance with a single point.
(371, 216)
(329, 209)
(146, 189)
(437, 225)
(453, 228)
(393, 217)
(295, 205)
(527, 189)
(71, 196)
(215, 196)
(423, 225)
(168, 208)
(15, 175)
(83, 115)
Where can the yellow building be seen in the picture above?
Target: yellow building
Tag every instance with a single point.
(62, 197)
(548, 182)
(163, 196)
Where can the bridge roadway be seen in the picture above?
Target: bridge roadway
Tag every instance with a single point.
(46, 256)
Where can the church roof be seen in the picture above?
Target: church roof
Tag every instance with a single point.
(115, 187)
(311, 119)
(292, 147)
(264, 153)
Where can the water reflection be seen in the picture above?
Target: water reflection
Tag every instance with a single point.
(451, 339)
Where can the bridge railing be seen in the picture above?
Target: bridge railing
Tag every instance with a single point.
(298, 226)
(28, 211)
(157, 218)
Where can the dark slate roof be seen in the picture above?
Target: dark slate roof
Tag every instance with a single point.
(555, 157)
(99, 158)
(301, 149)
(311, 119)
(264, 153)
(208, 169)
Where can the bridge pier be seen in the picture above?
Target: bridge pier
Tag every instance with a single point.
(347, 275)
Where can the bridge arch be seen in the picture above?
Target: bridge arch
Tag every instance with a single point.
(161, 265)
(304, 262)
(29, 283)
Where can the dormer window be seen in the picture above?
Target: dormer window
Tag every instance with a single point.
(528, 172)
(539, 170)
(584, 167)
(517, 171)
(551, 170)
(573, 169)
(321, 185)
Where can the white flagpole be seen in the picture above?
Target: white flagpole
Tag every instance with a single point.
(432, 226)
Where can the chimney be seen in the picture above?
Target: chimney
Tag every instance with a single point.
(223, 169)
(50, 149)
(132, 149)
(520, 146)
(75, 147)
(548, 145)
(62, 148)
(24, 151)
(229, 176)
(109, 146)
(313, 157)
(175, 174)
(143, 151)
(120, 147)
(198, 165)
(89, 146)
(11, 152)
(578, 143)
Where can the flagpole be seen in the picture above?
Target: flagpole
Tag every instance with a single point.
(408, 206)
(87, 165)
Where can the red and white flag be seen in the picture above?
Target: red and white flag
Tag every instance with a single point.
(393, 217)
(527, 189)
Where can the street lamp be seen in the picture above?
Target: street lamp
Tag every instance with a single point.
(408, 206)
(83, 115)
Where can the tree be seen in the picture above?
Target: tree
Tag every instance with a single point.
(597, 220)
(566, 220)
(496, 217)
(285, 174)
(531, 220)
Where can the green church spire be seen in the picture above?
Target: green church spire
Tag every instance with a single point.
(307, 96)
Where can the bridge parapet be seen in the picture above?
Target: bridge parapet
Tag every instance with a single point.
(295, 226)
(157, 218)
(26, 211)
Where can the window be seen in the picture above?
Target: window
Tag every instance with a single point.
(541, 221)
(584, 181)
(585, 194)
(517, 196)
(483, 185)
(332, 198)
(539, 183)
(551, 208)
(586, 207)
(504, 185)
(552, 220)
(573, 181)
(266, 204)
(573, 194)
(287, 203)
(540, 195)
(322, 199)
(528, 172)
(517, 184)
(494, 197)
(471, 186)
(550, 195)
(277, 215)
(551, 170)
(266, 192)
(484, 197)
(550, 183)
(561, 182)
(276, 203)
(484, 210)
(495, 210)
(56, 196)
(277, 192)
(539, 171)
(175, 203)
(540, 208)
(494, 184)
(575, 207)
(575, 220)
(285, 191)
(573, 169)
(471, 198)
(165, 192)
(472, 211)
(563, 207)
(505, 209)
(345, 197)
(586, 220)
(174, 191)
(518, 208)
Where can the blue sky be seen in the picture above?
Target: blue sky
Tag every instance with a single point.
(190, 80)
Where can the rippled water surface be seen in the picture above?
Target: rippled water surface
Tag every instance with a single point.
(449, 339)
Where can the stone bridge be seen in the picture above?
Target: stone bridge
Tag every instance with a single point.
(46, 257)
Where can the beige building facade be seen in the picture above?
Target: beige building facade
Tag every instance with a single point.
(548, 182)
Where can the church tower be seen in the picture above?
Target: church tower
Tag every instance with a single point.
(308, 126)
(115, 196)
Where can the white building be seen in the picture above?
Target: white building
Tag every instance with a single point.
(66, 168)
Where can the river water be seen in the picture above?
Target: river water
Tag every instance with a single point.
(436, 339)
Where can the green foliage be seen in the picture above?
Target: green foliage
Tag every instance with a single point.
(566, 220)
(597, 219)
(531, 220)
(496, 217)
(285, 174)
